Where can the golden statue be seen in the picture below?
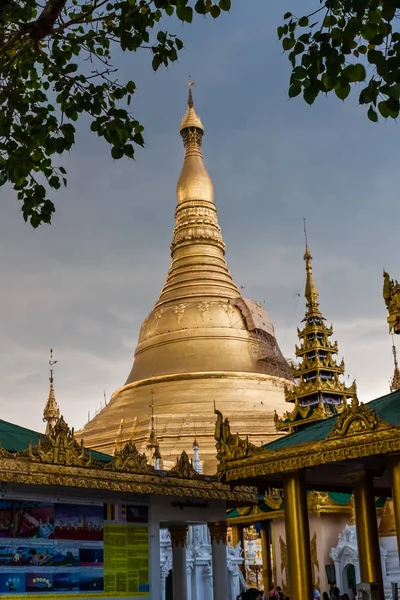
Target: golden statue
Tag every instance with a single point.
(391, 295)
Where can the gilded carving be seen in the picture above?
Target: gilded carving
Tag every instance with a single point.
(315, 562)
(130, 460)
(184, 468)
(203, 308)
(229, 446)
(59, 447)
(391, 295)
(285, 586)
(179, 311)
(178, 535)
(218, 532)
(274, 503)
(228, 308)
(355, 420)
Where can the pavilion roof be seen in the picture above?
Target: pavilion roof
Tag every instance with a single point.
(58, 459)
(361, 436)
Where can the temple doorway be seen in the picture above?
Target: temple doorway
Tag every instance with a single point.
(349, 579)
(168, 587)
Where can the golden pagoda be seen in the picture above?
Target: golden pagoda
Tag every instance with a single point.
(319, 392)
(202, 342)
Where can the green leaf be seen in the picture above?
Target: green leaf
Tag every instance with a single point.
(287, 15)
(342, 91)
(215, 11)
(383, 109)
(303, 22)
(225, 5)
(372, 114)
(117, 152)
(295, 89)
(357, 72)
(288, 43)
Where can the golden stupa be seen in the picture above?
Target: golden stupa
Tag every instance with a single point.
(202, 342)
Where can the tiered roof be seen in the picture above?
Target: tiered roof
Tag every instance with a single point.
(320, 391)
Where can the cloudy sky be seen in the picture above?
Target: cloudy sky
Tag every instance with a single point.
(85, 284)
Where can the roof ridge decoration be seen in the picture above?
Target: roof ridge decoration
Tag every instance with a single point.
(356, 419)
(230, 446)
(59, 447)
(391, 295)
(184, 468)
(129, 459)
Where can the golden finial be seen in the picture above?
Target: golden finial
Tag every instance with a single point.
(51, 413)
(191, 119)
(395, 382)
(311, 292)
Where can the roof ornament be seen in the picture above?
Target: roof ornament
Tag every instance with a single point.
(310, 292)
(51, 413)
(391, 295)
(395, 381)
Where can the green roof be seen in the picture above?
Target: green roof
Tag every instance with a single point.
(387, 408)
(15, 438)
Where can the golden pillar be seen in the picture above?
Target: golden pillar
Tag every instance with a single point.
(367, 529)
(266, 555)
(297, 536)
(395, 469)
(235, 535)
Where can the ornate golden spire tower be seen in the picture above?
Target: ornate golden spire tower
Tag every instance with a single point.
(395, 382)
(319, 392)
(51, 412)
(202, 341)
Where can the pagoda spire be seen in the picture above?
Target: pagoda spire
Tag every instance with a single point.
(395, 381)
(319, 391)
(198, 266)
(311, 292)
(51, 412)
(153, 446)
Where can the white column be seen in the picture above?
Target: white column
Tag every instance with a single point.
(179, 577)
(219, 559)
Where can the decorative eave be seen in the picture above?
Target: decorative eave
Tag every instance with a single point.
(301, 415)
(357, 433)
(391, 295)
(302, 390)
(318, 364)
(318, 503)
(309, 345)
(60, 460)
